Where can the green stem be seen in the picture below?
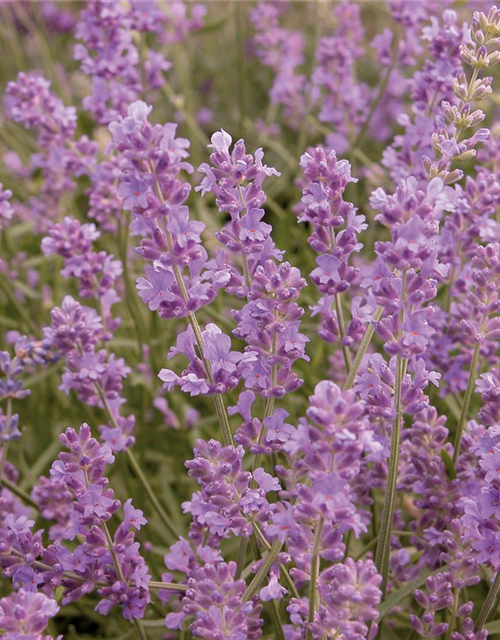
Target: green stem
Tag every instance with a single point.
(227, 436)
(466, 404)
(116, 561)
(4, 449)
(453, 612)
(384, 540)
(272, 605)
(380, 94)
(284, 571)
(488, 604)
(261, 574)
(130, 297)
(141, 632)
(368, 547)
(274, 614)
(178, 102)
(314, 577)
(167, 521)
(342, 333)
(363, 348)
(25, 497)
(257, 461)
(11, 297)
(240, 47)
(241, 557)
(169, 586)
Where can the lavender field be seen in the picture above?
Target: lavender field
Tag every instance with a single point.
(249, 320)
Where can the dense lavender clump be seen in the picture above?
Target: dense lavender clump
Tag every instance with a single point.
(249, 381)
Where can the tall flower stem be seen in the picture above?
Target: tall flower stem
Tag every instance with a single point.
(342, 332)
(382, 553)
(257, 461)
(261, 574)
(165, 518)
(5, 286)
(488, 604)
(284, 571)
(4, 447)
(167, 521)
(313, 587)
(384, 539)
(466, 403)
(17, 491)
(131, 297)
(382, 88)
(227, 436)
(363, 348)
(340, 315)
(116, 561)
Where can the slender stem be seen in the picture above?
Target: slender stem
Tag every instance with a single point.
(167, 521)
(240, 45)
(382, 553)
(384, 540)
(3, 460)
(112, 550)
(380, 94)
(13, 488)
(283, 569)
(449, 293)
(453, 613)
(141, 632)
(261, 574)
(20, 309)
(257, 461)
(168, 586)
(274, 614)
(272, 552)
(130, 293)
(314, 577)
(227, 436)
(241, 557)
(488, 604)
(116, 561)
(466, 403)
(178, 103)
(368, 547)
(363, 348)
(342, 332)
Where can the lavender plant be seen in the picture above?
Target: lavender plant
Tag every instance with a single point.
(249, 289)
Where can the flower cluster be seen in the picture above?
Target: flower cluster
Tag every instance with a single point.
(94, 374)
(25, 614)
(113, 51)
(112, 563)
(178, 282)
(62, 157)
(26, 353)
(282, 50)
(301, 482)
(96, 271)
(335, 227)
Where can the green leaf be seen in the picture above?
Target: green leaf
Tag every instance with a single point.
(406, 590)
(492, 627)
(448, 463)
